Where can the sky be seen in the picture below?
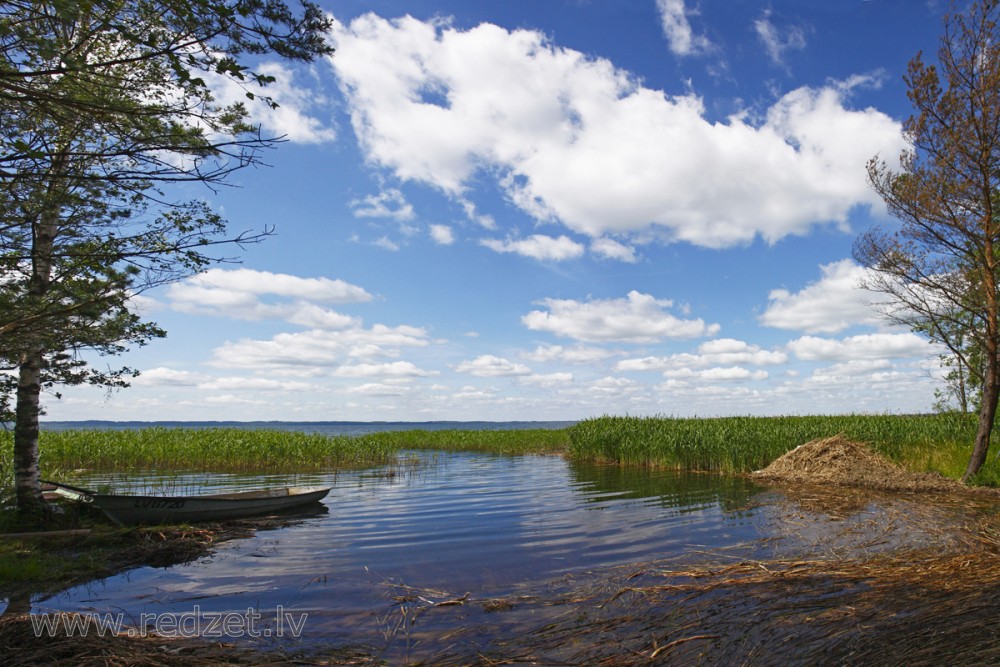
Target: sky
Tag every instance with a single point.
(554, 210)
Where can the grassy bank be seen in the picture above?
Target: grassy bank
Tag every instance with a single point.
(32, 565)
(940, 442)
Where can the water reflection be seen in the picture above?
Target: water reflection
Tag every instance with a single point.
(681, 490)
(440, 524)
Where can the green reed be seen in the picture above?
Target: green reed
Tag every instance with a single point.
(263, 450)
(940, 442)
(199, 449)
(501, 442)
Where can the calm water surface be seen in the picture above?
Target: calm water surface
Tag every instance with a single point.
(437, 525)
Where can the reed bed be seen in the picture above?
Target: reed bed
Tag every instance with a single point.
(500, 442)
(258, 450)
(921, 443)
(939, 442)
(201, 449)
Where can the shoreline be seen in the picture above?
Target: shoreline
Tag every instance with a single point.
(851, 602)
(846, 602)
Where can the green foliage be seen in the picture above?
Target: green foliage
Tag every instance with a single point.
(142, 69)
(964, 368)
(103, 104)
(939, 266)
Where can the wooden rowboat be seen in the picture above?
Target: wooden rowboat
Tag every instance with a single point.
(135, 509)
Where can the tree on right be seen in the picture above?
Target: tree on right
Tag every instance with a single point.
(940, 265)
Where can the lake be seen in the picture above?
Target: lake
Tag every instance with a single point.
(439, 526)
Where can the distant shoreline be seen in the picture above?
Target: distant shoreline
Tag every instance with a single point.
(312, 426)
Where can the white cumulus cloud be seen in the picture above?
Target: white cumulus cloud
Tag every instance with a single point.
(246, 294)
(538, 246)
(488, 365)
(710, 353)
(249, 281)
(390, 204)
(777, 41)
(167, 377)
(611, 249)
(571, 139)
(831, 304)
(295, 117)
(547, 379)
(677, 28)
(317, 351)
(867, 346)
(442, 234)
(255, 384)
(731, 374)
(395, 369)
(638, 318)
(577, 354)
(379, 389)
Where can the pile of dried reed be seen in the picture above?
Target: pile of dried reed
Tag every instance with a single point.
(837, 460)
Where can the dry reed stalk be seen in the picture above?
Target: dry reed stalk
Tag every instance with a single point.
(837, 460)
(22, 648)
(923, 609)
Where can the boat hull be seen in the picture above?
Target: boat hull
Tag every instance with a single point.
(131, 510)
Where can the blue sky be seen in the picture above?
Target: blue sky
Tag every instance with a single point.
(554, 210)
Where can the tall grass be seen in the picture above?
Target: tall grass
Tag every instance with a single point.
(742, 444)
(263, 450)
(728, 444)
(500, 442)
(200, 449)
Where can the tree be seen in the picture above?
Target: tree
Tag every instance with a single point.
(142, 70)
(104, 104)
(70, 274)
(963, 373)
(942, 265)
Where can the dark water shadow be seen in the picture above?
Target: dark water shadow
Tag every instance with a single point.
(173, 548)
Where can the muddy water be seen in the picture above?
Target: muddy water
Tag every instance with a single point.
(446, 528)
